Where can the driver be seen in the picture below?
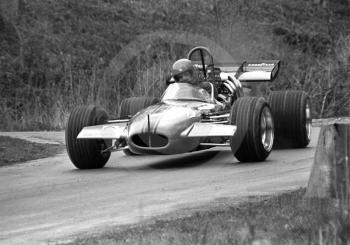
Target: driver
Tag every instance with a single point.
(184, 72)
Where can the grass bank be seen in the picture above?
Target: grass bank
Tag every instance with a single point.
(282, 219)
(13, 151)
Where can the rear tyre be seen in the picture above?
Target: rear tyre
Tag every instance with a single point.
(291, 111)
(131, 106)
(86, 153)
(254, 136)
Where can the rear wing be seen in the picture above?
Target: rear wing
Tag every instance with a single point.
(253, 71)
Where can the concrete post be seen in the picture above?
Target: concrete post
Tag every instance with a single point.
(330, 175)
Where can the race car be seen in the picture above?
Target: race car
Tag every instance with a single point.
(183, 120)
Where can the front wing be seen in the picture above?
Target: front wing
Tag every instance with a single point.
(104, 131)
(119, 130)
(198, 129)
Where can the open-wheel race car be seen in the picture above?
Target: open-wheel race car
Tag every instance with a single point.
(189, 118)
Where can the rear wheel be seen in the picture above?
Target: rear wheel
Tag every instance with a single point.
(131, 106)
(86, 153)
(254, 136)
(292, 113)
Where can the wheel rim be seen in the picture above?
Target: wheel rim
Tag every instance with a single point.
(308, 120)
(266, 129)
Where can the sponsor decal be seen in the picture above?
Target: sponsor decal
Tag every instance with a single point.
(261, 64)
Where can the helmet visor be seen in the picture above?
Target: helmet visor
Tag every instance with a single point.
(183, 77)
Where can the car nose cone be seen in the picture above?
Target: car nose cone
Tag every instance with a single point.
(158, 128)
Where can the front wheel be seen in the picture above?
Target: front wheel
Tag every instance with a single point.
(86, 153)
(253, 139)
(292, 113)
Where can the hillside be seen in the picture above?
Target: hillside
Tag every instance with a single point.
(56, 55)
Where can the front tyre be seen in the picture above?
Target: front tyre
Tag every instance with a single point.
(253, 139)
(292, 113)
(86, 153)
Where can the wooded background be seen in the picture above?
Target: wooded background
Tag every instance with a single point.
(54, 55)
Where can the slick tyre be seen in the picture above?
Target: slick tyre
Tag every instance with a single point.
(131, 106)
(86, 153)
(291, 111)
(253, 139)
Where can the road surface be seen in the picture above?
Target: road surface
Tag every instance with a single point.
(49, 200)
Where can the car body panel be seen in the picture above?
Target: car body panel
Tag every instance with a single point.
(209, 130)
(104, 131)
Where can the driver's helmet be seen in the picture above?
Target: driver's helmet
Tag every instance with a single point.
(183, 71)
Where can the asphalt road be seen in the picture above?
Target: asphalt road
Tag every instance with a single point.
(48, 199)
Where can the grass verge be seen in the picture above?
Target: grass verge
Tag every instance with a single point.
(14, 150)
(283, 219)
